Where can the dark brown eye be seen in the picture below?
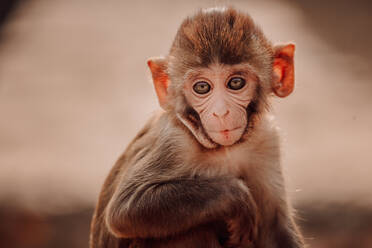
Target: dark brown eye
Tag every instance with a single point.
(201, 87)
(236, 83)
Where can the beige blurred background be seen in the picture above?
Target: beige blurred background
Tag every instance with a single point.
(75, 89)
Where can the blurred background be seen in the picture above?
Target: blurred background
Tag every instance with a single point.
(75, 89)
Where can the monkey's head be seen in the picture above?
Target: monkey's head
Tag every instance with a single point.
(219, 73)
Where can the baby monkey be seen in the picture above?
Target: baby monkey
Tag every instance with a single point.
(206, 171)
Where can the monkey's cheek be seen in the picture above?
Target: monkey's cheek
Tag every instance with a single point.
(226, 138)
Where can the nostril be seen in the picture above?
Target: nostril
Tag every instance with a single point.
(227, 112)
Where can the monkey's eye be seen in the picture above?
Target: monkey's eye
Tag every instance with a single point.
(201, 87)
(236, 83)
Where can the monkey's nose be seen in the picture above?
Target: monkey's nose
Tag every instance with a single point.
(221, 114)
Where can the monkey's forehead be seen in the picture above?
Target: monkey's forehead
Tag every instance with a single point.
(225, 36)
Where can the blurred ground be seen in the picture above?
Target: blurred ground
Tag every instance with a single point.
(74, 90)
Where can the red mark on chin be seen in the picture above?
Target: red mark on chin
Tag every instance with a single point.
(225, 134)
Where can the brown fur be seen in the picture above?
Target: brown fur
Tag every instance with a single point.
(168, 190)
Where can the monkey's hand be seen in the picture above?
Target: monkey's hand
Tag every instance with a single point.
(242, 234)
(168, 207)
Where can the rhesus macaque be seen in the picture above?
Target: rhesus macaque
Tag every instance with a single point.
(205, 172)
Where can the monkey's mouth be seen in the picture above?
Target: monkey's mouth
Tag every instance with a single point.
(224, 131)
(226, 137)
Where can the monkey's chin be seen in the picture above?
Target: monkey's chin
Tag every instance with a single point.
(226, 137)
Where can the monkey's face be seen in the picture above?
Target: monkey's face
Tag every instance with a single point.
(217, 102)
(220, 95)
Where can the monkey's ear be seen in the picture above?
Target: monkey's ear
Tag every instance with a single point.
(283, 82)
(158, 67)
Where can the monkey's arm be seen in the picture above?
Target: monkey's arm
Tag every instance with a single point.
(288, 235)
(285, 232)
(163, 208)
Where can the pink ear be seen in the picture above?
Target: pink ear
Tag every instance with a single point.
(160, 78)
(283, 68)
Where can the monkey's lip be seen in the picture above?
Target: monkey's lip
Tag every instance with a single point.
(224, 130)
